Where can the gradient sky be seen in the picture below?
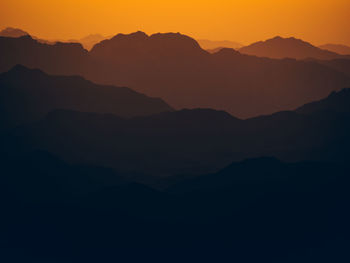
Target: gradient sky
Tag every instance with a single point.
(246, 21)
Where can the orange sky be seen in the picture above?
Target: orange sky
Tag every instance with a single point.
(317, 21)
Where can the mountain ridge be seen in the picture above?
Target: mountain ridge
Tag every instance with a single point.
(13, 32)
(38, 93)
(337, 48)
(279, 47)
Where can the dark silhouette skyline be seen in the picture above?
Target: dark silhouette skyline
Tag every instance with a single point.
(150, 148)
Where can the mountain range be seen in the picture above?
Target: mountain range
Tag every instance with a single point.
(164, 142)
(250, 163)
(87, 42)
(28, 95)
(60, 209)
(175, 68)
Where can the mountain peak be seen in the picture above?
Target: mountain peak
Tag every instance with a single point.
(228, 51)
(285, 40)
(142, 46)
(138, 35)
(20, 70)
(175, 41)
(13, 32)
(276, 38)
(279, 47)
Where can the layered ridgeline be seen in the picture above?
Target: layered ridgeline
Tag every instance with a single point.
(88, 42)
(60, 210)
(28, 95)
(337, 48)
(279, 47)
(211, 45)
(175, 68)
(13, 32)
(192, 141)
(17, 33)
(58, 207)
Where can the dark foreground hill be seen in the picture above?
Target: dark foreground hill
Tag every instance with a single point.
(28, 95)
(256, 210)
(175, 68)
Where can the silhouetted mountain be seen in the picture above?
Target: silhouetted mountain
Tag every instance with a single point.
(16, 33)
(28, 95)
(76, 175)
(59, 203)
(279, 47)
(340, 49)
(335, 102)
(59, 58)
(66, 213)
(13, 32)
(211, 44)
(187, 79)
(139, 46)
(175, 68)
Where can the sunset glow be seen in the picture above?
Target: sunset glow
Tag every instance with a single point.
(241, 20)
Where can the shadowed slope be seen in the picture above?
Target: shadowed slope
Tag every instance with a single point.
(59, 58)
(192, 141)
(28, 95)
(335, 102)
